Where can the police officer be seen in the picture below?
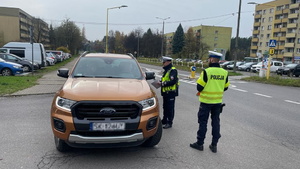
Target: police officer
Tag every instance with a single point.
(211, 84)
(169, 90)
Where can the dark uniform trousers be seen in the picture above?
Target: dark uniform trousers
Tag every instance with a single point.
(168, 108)
(203, 115)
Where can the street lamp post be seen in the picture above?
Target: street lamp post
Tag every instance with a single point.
(106, 42)
(162, 39)
(237, 35)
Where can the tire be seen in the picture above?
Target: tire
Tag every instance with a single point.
(290, 74)
(61, 145)
(155, 139)
(26, 68)
(247, 70)
(6, 72)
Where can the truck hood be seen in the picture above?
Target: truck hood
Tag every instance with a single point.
(106, 89)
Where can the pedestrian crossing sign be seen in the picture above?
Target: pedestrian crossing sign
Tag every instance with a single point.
(272, 43)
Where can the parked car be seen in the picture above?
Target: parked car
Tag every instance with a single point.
(230, 67)
(254, 67)
(99, 105)
(274, 65)
(224, 65)
(58, 53)
(288, 70)
(246, 67)
(27, 65)
(10, 68)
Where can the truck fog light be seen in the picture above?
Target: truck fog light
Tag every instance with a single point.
(59, 125)
(151, 123)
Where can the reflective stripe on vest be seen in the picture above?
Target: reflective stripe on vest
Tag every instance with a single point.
(214, 88)
(166, 78)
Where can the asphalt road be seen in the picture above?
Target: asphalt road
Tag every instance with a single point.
(259, 127)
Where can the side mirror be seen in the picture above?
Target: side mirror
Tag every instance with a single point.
(63, 72)
(150, 75)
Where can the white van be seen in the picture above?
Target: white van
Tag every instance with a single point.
(24, 50)
(274, 65)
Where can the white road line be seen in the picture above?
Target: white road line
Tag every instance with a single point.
(262, 95)
(241, 90)
(289, 101)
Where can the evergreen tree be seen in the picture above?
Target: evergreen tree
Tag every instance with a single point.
(178, 40)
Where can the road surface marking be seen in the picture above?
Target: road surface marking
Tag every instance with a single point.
(262, 95)
(289, 101)
(241, 90)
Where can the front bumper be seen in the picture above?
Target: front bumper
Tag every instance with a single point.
(106, 140)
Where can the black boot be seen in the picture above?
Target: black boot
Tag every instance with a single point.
(197, 146)
(213, 148)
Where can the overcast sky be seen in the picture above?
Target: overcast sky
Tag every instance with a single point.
(91, 14)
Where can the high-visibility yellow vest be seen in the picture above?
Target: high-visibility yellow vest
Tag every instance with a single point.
(166, 78)
(214, 87)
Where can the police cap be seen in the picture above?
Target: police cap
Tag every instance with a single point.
(166, 59)
(213, 54)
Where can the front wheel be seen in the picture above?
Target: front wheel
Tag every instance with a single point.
(61, 145)
(26, 68)
(6, 72)
(247, 70)
(155, 139)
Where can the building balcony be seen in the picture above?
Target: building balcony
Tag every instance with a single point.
(282, 38)
(292, 25)
(276, 21)
(278, 56)
(255, 32)
(257, 24)
(276, 30)
(254, 47)
(254, 40)
(294, 6)
(253, 55)
(282, 29)
(289, 45)
(290, 35)
(288, 54)
(293, 15)
(278, 12)
(257, 16)
(286, 10)
(280, 47)
(284, 20)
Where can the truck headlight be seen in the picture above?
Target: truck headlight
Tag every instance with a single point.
(148, 103)
(64, 103)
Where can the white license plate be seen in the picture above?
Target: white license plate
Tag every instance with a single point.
(108, 126)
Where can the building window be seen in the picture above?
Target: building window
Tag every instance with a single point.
(264, 11)
(215, 45)
(271, 10)
(216, 38)
(263, 20)
(270, 19)
(268, 35)
(298, 40)
(261, 35)
(262, 28)
(260, 44)
(269, 27)
(216, 32)
(267, 44)
(298, 50)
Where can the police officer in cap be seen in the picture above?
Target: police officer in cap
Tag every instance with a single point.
(169, 90)
(211, 84)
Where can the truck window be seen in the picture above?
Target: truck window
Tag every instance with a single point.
(20, 53)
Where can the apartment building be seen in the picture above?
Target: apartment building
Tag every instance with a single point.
(216, 37)
(277, 20)
(16, 25)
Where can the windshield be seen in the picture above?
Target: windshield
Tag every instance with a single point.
(105, 67)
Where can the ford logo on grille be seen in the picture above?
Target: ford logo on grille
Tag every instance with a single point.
(107, 111)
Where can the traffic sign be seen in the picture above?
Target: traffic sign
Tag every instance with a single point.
(272, 43)
(271, 51)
